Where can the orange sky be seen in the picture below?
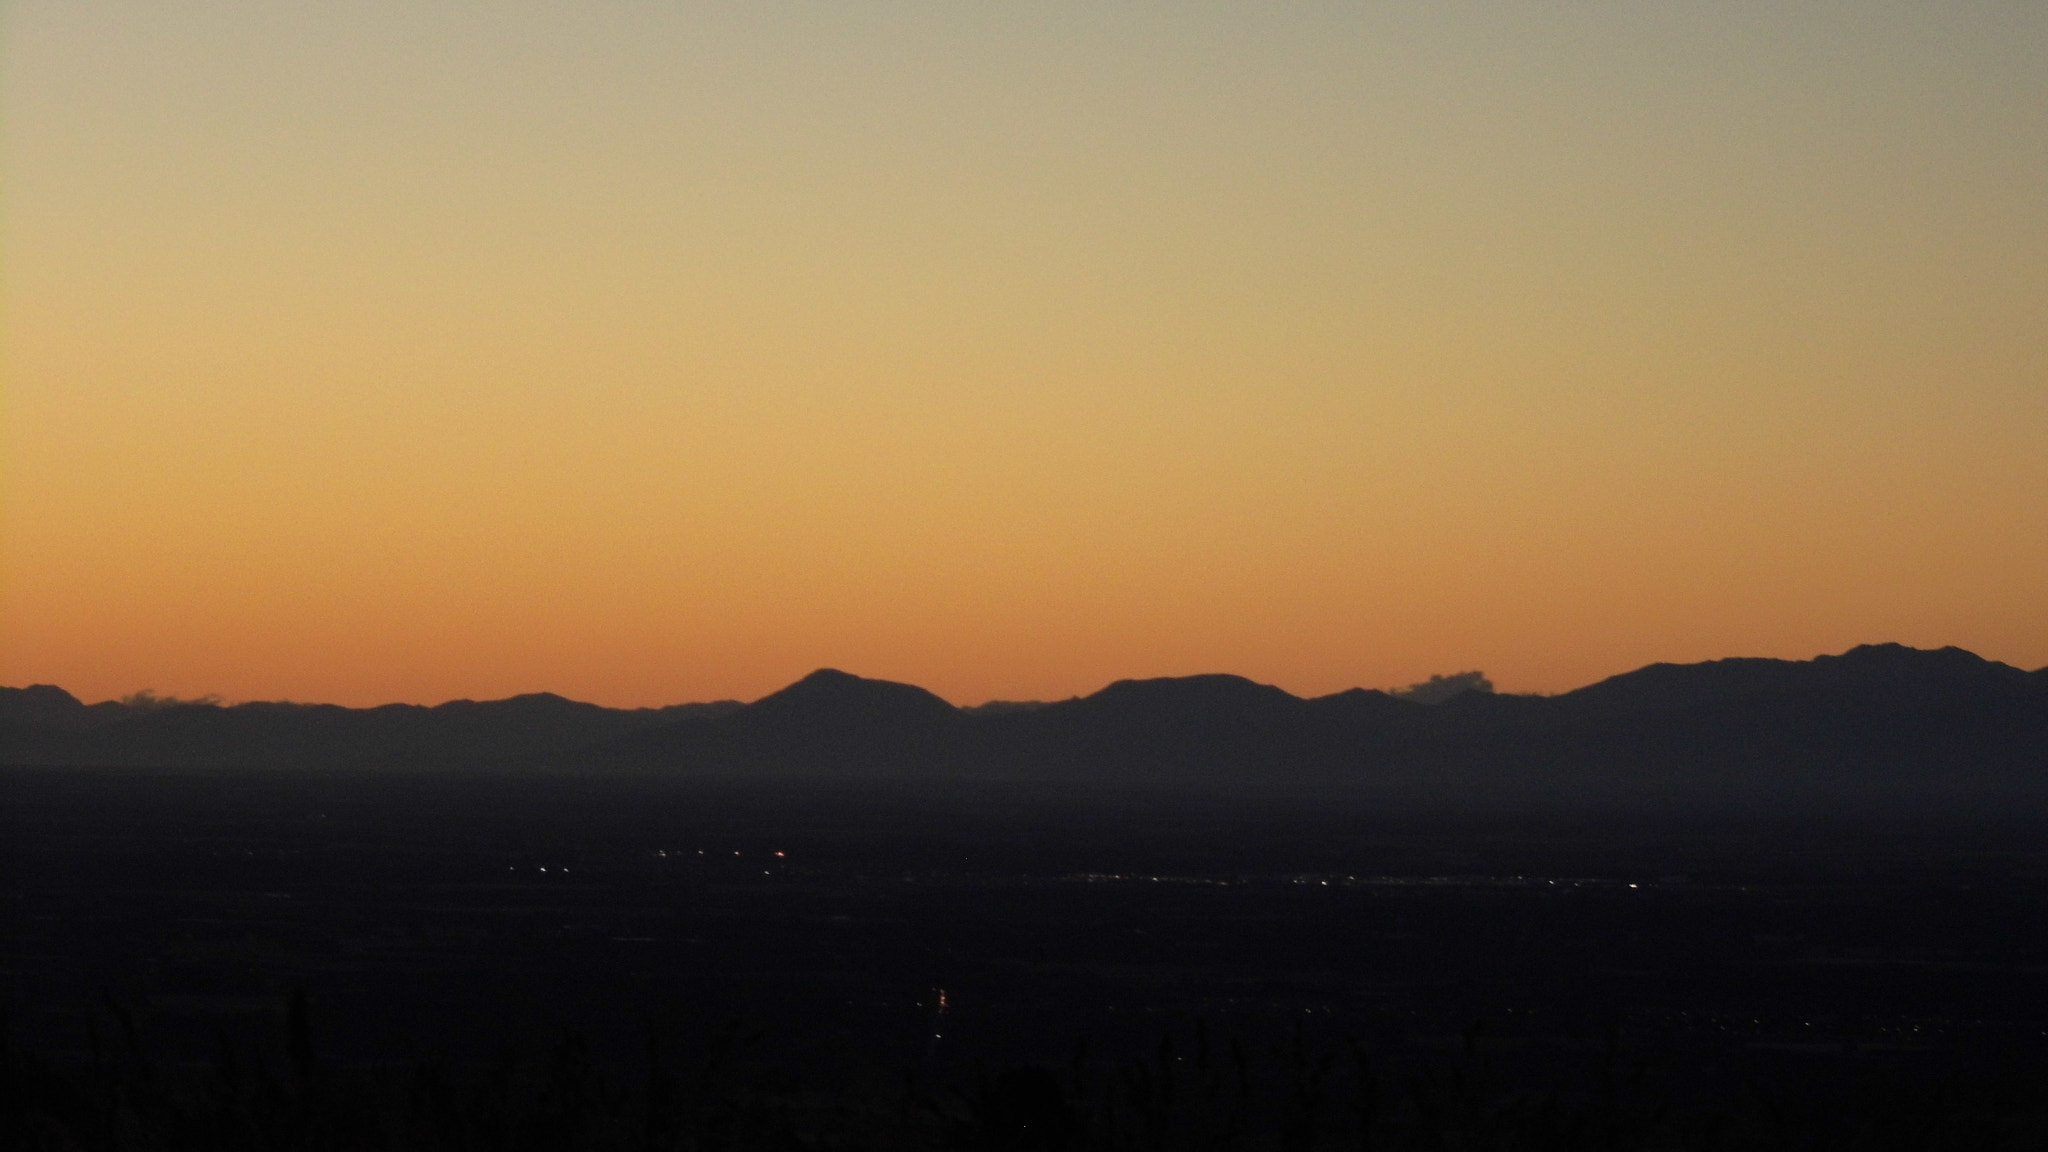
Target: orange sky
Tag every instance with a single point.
(417, 351)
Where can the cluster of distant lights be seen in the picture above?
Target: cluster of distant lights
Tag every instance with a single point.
(1126, 877)
(1463, 882)
(660, 853)
(1363, 881)
(1306, 879)
(679, 854)
(1312, 880)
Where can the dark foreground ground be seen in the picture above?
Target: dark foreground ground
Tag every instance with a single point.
(255, 960)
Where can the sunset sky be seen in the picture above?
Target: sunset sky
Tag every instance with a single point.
(648, 352)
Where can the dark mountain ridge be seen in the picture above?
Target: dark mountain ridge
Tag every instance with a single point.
(43, 724)
(829, 722)
(1878, 716)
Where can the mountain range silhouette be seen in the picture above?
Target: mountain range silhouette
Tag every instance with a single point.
(1876, 717)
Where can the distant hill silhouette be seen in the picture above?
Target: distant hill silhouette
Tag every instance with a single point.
(47, 707)
(1876, 717)
(827, 722)
(43, 724)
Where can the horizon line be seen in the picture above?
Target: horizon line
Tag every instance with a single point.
(148, 698)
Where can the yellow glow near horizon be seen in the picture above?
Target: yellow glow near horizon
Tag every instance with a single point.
(416, 351)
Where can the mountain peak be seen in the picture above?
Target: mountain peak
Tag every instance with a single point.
(39, 704)
(832, 678)
(832, 696)
(1202, 693)
(1892, 652)
(1899, 664)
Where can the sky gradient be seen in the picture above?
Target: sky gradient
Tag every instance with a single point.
(654, 352)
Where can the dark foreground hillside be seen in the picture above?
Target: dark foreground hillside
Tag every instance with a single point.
(265, 959)
(1748, 903)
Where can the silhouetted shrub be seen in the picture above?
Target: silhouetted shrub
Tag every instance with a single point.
(1203, 1096)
